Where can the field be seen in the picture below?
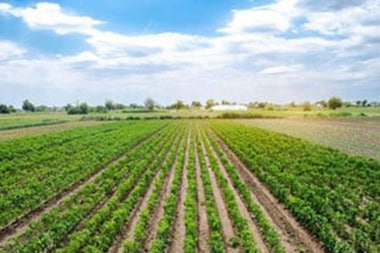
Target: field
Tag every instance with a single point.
(354, 136)
(184, 186)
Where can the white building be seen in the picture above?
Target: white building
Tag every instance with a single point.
(229, 108)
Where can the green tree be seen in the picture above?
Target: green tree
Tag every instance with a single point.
(4, 109)
(109, 104)
(149, 103)
(179, 105)
(334, 103)
(196, 104)
(210, 103)
(28, 106)
(306, 106)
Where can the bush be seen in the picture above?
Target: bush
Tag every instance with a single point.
(334, 103)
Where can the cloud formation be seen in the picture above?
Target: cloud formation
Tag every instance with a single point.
(303, 50)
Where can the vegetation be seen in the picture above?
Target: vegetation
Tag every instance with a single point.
(122, 187)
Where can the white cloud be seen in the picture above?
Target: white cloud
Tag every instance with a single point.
(252, 58)
(281, 69)
(9, 50)
(277, 17)
(50, 16)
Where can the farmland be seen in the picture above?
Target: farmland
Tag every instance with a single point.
(354, 136)
(184, 186)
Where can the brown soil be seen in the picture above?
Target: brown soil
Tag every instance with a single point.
(295, 237)
(18, 226)
(254, 228)
(203, 227)
(228, 231)
(178, 228)
(159, 211)
(127, 233)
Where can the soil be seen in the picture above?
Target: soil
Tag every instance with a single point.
(228, 231)
(254, 228)
(203, 228)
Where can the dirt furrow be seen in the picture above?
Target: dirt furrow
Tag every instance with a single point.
(159, 211)
(204, 230)
(227, 227)
(131, 223)
(254, 228)
(127, 233)
(295, 237)
(179, 230)
(22, 223)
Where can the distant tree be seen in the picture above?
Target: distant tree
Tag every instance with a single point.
(210, 103)
(358, 103)
(11, 108)
(347, 104)
(225, 102)
(4, 109)
(262, 104)
(321, 103)
(364, 103)
(79, 109)
(83, 108)
(292, 104)
(334, 103)
(149, 103)
(119, 106)
(101, 109)
(179, 105)
(109, 105)
(306, 106)
(196, 104)
(42, 108)
(28, 106)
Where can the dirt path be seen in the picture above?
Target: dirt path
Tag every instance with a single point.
(159, 211)
(295, 237)
(228, 231)
(20, 225)
(254, 228)
(203, 228)
(178, 228)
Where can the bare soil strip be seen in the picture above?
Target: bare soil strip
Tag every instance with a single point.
(297, 238)
(179, 229)
(227, 227)
(204, 230)
(18, 226)
(159, 211)
(254, 228)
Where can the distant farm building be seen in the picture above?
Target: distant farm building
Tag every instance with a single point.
(229, 108)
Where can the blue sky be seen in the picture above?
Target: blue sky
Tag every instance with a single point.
(60, 52)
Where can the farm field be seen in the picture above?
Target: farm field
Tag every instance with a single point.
(11, 134)
(354, 136)
(184, 186)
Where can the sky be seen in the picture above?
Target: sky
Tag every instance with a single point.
(70, 51)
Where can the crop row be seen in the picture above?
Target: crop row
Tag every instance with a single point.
(55, 225)
(267, 229)
(34, 172)
(334, 195)
(241, 227)
(161, 240)
(141, 229)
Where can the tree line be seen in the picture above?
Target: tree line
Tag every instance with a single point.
(150, 104)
